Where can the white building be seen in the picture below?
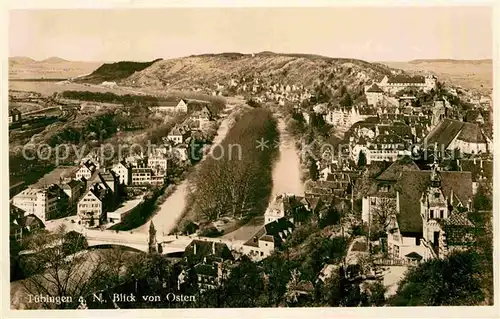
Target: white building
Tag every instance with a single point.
(124, 172)
(40, 202)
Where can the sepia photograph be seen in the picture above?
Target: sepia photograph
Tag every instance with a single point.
(250, 157)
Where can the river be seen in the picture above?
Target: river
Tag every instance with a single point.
(286, 172)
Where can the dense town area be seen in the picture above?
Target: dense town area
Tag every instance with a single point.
(360, 188)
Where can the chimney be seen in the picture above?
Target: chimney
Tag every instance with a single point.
(194, 248)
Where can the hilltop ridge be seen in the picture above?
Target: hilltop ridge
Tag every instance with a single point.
(291, 68)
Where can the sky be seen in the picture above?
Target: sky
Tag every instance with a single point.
(372, 34)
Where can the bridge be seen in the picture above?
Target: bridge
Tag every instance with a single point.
(139, 241)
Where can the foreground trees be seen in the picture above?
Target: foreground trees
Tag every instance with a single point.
(56, 267)
(236, 179)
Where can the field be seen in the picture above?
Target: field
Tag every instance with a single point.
(474, 75)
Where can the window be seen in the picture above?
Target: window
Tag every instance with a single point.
(432, 213)
(373, 201)
(441, 214)
(261, 253)
(436, 195)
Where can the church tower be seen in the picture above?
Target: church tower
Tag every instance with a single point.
(433, 209)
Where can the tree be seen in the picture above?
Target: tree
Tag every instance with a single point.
(382, 214)
(52, 269)
(483, 199)
(244, 286)
(152, 248)
(361, 159)
(313, 170)
(453, 281)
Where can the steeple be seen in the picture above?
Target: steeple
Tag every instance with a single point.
(435, 176)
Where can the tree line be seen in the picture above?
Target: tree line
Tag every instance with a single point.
(238, 182)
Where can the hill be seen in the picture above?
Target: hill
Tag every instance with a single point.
(294, 69)
(54, 59)
(51, 68)
(115, 71)
(474, 75)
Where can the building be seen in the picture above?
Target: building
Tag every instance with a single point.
(141, 176)
(374, 95)
(171, 106)
(429, 202)
(210, 261)
(92, 206)
(124, 172)
(272, 235)
(396, 83)
(284, 205)
(158, 162)
(179, 134)
(387, 147)
(86, 170)
(73, 189)
(22, 225)
(14, 116)
(382, 191)
(450, 134)
(44, 203)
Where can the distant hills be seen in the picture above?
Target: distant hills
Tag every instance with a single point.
(470, 74)
(205, 70)
(482, 61)
(21, 67)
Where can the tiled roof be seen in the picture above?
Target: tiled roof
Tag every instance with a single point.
(412, 184)
(447, 130)
(206, 249)
(375, 89)
(471, 133)
(393, 172)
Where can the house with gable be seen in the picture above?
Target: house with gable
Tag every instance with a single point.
(430, 203)
(170, 106)
(270, 237)
(86, 170)
(93, 206)
(450, 134)
(383, 187)
(374, 95)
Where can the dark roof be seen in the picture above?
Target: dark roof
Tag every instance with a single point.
(468, 165)
(412, 184)
(388, 139)
(401, 78)
(471, 133)
(394, 171)
(278, 226)
(206, 249)
(400, 129)
(458, 229)
(447, 130)
(375, 89)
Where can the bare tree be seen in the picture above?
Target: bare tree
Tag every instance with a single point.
(383, 212)
(57, 265)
